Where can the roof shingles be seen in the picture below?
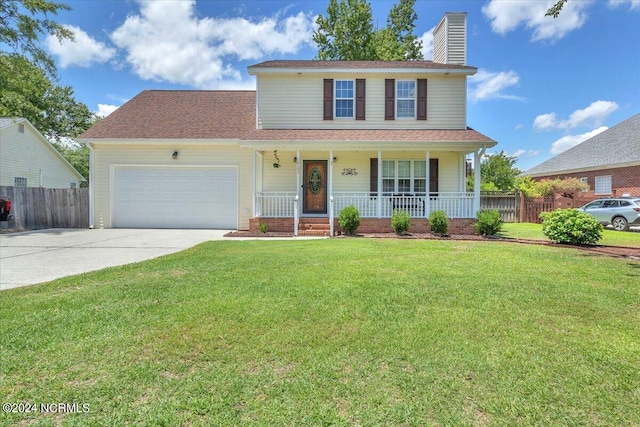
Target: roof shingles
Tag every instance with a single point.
(618, 145)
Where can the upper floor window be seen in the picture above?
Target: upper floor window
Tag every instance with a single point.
(73, 185)
(20, 181)
(406, 99)
(344, 98)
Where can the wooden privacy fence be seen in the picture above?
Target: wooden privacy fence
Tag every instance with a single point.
(532, 207)
(36, 208)
(507, 203)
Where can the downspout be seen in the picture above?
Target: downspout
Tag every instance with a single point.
(92, 168)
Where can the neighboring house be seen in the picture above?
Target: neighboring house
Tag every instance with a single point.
(314, 137)
(27, 159)
(609, 162)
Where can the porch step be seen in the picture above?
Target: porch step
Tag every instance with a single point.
(308, 232)
(314, 228)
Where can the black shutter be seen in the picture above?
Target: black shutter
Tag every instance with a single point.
(360, 98)
(389, 99)
(373, 183)
(433, 176)
(328, 99)
(422, 99)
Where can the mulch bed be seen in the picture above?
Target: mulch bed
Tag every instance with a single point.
(614, 251)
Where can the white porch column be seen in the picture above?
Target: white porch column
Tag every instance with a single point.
(296, 202)
(255, 184)
(379, 195)
(331, 213)
(427, 202)
(463, 172)
(477, 156)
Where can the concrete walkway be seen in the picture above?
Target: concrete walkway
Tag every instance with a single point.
(39, 256)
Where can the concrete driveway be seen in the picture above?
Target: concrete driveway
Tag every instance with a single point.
(40, 256)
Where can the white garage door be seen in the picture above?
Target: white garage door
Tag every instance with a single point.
(156, 197)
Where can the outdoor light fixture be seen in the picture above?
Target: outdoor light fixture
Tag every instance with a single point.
(174, 155)
(295, 160)
(335, 159)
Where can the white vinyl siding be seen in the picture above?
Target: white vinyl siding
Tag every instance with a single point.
(108, 157)
(603, 184)
(446, 102)
(450, 178)
(29, 155)
(449, 39)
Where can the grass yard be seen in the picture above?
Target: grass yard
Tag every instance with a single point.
(332, 332)
(610, 237)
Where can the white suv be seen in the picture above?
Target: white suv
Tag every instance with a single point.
(620, 212)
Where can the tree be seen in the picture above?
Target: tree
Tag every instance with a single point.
(556, 8)
(347, 33)
(26, 91)
(499, 169)
(497, 173)
(397, 42)
(21, 26)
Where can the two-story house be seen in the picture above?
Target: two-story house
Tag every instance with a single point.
(314, 137)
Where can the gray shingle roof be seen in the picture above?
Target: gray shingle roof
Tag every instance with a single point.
(617, 146)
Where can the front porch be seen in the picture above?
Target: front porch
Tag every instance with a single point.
(319, 190)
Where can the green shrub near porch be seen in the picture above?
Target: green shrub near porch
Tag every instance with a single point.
(400, 221)
(349, 219)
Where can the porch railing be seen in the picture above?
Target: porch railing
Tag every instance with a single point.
(281, 204)
(275, 204)
(455, 205)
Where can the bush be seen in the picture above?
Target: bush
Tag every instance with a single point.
(349, 219)
(439, 222)
(400, 221)
(571, 226)
(489, 222)
(263, 227)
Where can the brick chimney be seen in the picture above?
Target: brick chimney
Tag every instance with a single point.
(450, 39)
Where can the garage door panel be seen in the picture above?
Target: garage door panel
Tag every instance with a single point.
(176, 197)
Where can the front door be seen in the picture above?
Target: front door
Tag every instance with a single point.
(315, 187)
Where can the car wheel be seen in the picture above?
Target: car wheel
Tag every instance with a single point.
(620, 224)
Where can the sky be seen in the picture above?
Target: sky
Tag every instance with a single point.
(543, 85)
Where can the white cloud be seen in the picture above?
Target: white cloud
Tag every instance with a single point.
(508, 15)
(594, 115)
(569, 141)
(83, 51)
(488, 85)
(521, 152)
(167, 41)
(427, 44)
(105, 109)
(633, 4)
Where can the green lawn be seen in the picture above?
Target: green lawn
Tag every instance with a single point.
(349, 331)
(610, 237)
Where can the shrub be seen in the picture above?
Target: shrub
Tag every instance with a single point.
(263, 227)
(571, 226)
(489, 222)
(439, 222)
(349, 219)
(400, 221)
